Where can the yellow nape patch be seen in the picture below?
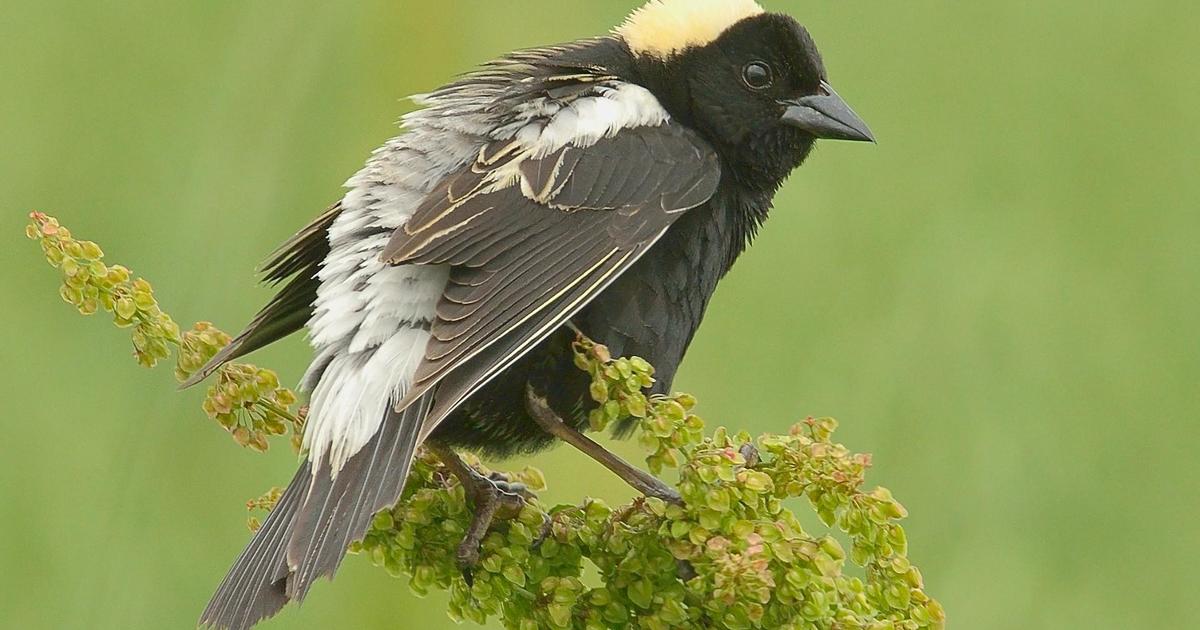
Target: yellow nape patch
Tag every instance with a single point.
(663, 27)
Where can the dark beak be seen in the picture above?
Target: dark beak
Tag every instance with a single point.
(826, 115)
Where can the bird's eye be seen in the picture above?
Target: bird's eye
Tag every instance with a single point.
(758, 75)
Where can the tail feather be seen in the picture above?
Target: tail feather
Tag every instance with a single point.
(254, 589)
(371, 481)
(317, 518)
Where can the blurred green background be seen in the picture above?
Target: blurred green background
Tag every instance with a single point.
(999, 301)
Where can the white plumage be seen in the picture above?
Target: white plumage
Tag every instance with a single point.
(585, 121)
(371, 321)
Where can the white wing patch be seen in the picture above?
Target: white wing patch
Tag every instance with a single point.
(614, 106)
(587, 120)
(664, 27)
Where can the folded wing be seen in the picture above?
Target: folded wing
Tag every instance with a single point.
(532, 238)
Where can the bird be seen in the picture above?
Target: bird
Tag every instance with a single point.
(601, 187)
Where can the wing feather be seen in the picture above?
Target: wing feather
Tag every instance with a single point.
(300, 259)
(532, 239)
(493, 359)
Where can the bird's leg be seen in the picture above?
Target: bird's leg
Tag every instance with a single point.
(491, 497)
(641, 481)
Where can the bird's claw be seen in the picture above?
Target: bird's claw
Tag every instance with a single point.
(750, 454)
(491, 497)
(544, 532)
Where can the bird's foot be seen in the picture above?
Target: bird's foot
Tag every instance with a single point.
(493, 497)
(749, 452)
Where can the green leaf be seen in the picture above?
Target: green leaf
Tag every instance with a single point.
(560, 615)
(641, 593)
(636, 405)
(599, 391)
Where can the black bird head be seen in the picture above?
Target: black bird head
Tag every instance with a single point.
(752, 82)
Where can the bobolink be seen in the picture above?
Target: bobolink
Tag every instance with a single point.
(601, 187)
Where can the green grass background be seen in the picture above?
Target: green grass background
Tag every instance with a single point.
(999, 301)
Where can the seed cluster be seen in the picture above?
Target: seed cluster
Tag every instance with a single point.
(246, 401)
(666, 423)
(733, 556)
(91, 286)
(264, 503)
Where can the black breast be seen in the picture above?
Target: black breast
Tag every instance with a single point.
(651, 311)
